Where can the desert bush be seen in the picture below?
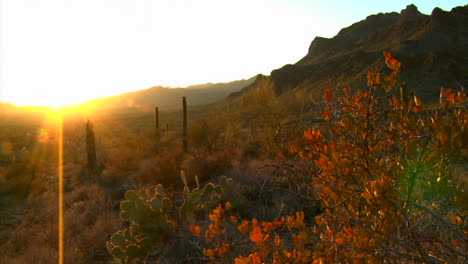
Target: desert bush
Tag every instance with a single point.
(163, 168)
(205, 134)
(384, 172)
(209, 165)
(89, 221)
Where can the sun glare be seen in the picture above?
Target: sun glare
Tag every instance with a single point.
(46, 100)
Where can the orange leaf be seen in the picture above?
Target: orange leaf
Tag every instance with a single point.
(255, 222)
(387, 54)
(348, 230)
(323, 162)
(255, 258)
(244, 227)
(293, 149)
(312, 135)
(318, 261)
(256, 235)
(277, 240)
(346, 90)
(233, 219)
(370, 78)
(327, 115)
(340, 241)
(195, 230)
(367, 196)
(267, 227)
(378, 78)
(241, 260)
(210, 253)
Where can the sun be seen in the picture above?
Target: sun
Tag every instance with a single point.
(54, 100)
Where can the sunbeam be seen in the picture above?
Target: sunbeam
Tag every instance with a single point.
(60, 186)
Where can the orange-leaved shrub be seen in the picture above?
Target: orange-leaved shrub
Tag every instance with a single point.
(384, 171)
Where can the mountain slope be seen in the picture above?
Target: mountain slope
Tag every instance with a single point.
(431, 47)
(167, 98)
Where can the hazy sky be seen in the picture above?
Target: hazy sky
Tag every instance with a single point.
(64, 51)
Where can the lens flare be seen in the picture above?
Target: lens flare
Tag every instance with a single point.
(60, 188)
(43, 135)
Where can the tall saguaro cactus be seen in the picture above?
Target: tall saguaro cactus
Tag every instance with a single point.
(184, 132)
(157, 134)
(91, 145)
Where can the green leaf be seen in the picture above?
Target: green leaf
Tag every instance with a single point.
(118, 253)
(134, 229)
(157, 204)
(195, 198)
(124, 215)
(159, 189)
(146, 243)
(208, 188)
(118, 239)
(132, 195)
(133, 251)
(126, 206)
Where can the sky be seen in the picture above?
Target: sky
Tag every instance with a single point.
(55, 52)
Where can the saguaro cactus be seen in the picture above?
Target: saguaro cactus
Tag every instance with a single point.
(91, 145)
(184, 132)
(157, 134)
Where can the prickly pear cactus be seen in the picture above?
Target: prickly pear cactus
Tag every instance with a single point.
(204, 198)
(156, 214)
(127, 245)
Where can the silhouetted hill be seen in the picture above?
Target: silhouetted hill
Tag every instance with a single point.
(433, 49)
(167, 98)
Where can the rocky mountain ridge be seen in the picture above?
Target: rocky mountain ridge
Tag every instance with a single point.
(432, 49)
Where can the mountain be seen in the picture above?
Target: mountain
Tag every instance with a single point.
(168, 98)
(432, 48)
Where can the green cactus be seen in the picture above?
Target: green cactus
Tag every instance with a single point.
(157, 134)
(127, 244)
(91, 145)
(184, 132)
(156, 214)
